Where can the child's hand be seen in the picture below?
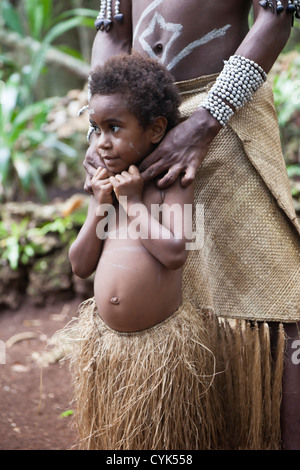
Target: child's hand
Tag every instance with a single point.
(102, 188)
(130, 184)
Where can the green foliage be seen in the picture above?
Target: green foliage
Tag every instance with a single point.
(66, 413)
(286, 87)
(23, 140)
(293, 170)
(13, 246)
(20, 241)
(39, 21)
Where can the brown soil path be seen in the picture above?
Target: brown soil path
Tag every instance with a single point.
(32, 398)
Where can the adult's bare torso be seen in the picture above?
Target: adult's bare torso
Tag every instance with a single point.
(190, 37)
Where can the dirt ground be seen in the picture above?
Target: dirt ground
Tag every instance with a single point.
(35, 394)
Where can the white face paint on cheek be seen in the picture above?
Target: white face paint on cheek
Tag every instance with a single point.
(135, 149)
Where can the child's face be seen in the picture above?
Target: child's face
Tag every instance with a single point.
(121, 140)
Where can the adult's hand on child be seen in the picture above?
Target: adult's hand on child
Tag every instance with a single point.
(91, 162)
(182, 150)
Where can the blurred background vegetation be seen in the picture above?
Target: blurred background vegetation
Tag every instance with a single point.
(45, 48)
(45, 53)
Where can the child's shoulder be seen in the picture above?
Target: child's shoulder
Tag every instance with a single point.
(152, 193)
(175, 191)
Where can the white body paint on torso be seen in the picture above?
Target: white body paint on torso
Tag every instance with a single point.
(172, 27)
(215, 33)
(176, 30)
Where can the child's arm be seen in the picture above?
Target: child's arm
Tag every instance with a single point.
(166, 241)
(85, 251)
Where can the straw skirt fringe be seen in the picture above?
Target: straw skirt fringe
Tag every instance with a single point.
(192, 382)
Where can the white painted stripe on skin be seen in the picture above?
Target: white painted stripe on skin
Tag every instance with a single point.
(172, 27)
(151, 7)
(121, 266)
(132, 249)
(135, 149)
(215, 33)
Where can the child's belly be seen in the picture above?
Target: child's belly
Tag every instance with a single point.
(133, 291)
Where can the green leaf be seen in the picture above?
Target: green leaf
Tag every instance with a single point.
(38, 183)
(3, 231)
(23, 169)
(57, 225)
(62, 28)
(47, 4)
(28, 249)
(5, 154)
(18, 229)
(36, 109)
(52, 142)
(38, 23)
(293, 170)
(7, 60)
(12, 252)
(66, 413)
(35, 137)
(12, 18)
(70, 51)
(35, 17)
(9, 96)
(83, 12)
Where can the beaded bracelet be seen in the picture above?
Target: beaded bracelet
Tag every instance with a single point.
(234, 87)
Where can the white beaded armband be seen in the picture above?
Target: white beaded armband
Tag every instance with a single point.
(234, 87)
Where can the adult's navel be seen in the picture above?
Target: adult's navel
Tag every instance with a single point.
(158, 48)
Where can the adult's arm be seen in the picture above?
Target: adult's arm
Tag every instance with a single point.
(116, 41)
(184, 148)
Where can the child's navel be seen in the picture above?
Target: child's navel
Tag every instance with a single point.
(114, 300)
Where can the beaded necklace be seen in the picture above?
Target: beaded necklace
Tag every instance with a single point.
(104, 20)
(293, 7)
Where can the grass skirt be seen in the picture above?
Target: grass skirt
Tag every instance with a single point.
(190, 382)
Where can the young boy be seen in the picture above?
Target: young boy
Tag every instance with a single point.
(142, 366)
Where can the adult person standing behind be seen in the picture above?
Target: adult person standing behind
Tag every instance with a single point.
(228, 141)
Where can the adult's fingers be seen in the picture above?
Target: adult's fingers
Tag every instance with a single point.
(89, 169)
(150, 160)
(155, 170)
(88, 185)
(169, 178)
(189, 176)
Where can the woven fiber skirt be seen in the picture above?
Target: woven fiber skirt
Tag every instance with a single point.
(192, 382)
(249, 263)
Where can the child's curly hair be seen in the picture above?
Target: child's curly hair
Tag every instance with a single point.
(145, 83)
